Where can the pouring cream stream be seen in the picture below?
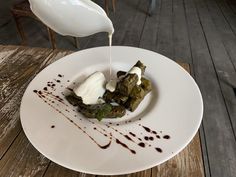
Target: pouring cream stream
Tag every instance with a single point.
(76, 18)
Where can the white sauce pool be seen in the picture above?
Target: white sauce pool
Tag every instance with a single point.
(138, 71)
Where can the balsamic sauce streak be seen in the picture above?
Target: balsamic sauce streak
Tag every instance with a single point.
(125, 146)
(40, 94)
(50, 98)
(126, 136)
(153, 132)
(61, 101)
(141, 144)
(132, 134)
(68, 88)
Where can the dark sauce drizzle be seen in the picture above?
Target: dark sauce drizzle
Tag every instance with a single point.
(40, 94)
(125, 146)
(50, 98)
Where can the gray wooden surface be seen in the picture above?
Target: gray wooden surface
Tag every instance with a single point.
(20, 158)
(199, 32)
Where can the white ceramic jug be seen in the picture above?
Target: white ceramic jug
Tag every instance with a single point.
(77, 18)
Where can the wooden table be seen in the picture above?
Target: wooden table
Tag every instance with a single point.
(18, 66)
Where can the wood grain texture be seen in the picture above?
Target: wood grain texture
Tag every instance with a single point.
(165, 33)
(13, 83)
(55, 170)
(226, 68)
(187, 163)
(217, 127)
(225, 27)
(21, 159)
(149, 38)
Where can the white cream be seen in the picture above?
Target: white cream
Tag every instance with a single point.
(77, 18)
(92, 88)
(138, 72)
(111, 85)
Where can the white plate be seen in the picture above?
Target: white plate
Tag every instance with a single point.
(173, 108)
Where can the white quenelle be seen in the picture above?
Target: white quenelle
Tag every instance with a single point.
(77, 18)
(92, 88)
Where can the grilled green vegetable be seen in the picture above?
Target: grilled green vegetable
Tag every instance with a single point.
(98, 111)
(146, 85)
(133, 103)
(74, 100)
(138, 64)
(126, 84)
(127, 94)
(110, 97)
(141, 66)
(120, 73)
(137, 92)
(117, 111)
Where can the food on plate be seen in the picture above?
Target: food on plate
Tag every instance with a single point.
(96, 98)
(92, 88)
(98, 111)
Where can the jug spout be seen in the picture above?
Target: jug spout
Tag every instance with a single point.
(77, 18)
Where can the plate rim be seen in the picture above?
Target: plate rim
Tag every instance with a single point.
(124, 171)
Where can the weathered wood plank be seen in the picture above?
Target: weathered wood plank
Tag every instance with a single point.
(226, 31)
(228, 13)
(165, 33)
(55, 170)
(158, 31)
(224, 58)
(182, 51)
(13, 83)
(22, 159)
(9, 111)
(149, 38)
(5, 52)
(232, 5)
(218, 130)
(187, 163)
(178, 47)
(128, 23)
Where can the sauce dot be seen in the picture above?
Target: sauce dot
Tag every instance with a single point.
(166, 137)
(151, 138)
(141, 144)
(158, 149)
(53, 126)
